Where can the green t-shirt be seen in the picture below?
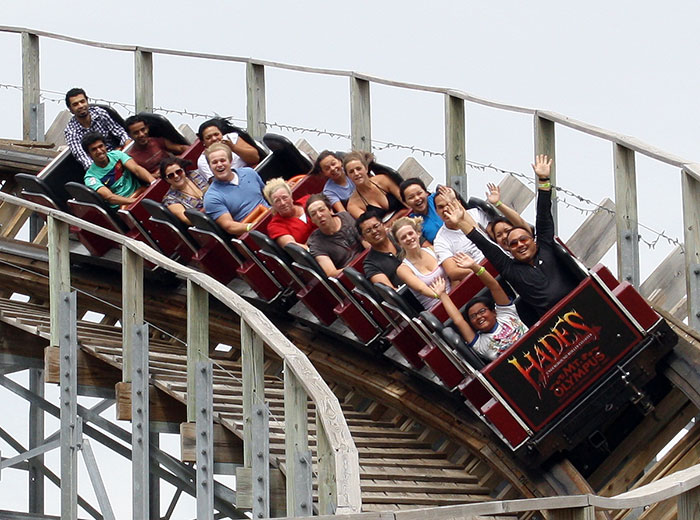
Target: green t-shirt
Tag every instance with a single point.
(114, 176)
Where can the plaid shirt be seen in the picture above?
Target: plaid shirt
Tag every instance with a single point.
(101, 123)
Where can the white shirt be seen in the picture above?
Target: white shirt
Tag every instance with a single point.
(448, 242)
(236, 161)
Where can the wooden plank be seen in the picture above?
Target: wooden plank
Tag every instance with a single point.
(54, 135)
(252, 357)
(255, 94)
(59, 270)
(94, 377)
(665, 287)
(410, 168)
(143, 80)
(197, 339)
(626, 218)
(14, 224)
(227, 446)
(244, 493)
(360, 115)
(132, 305)
(296, 438)
(595, 236)
(162, 407)
(689, 505)
(31, 85)
(545, 143)
(327, 489)
(515, 194)
(690, 187)
(304, 146)
(456, 145)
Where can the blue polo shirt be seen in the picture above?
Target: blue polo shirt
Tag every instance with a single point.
(237, 199)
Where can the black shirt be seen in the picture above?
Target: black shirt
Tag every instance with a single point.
(545, 282)
(377, 262)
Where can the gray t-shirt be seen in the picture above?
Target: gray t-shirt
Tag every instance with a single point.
(341, 246)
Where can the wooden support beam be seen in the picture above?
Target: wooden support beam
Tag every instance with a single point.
(595, 236)
(228, 448)
(162, 407)
(456, 145)
(665, 287)
(143, 76)
(327, 492)
(515, 194)
(253, 361)
(59, 271)
(689, 505)
(691, 230)
(197, 339)
(626, 220)
(132, 305)
(244, 491)
(360, 115)
(411, 168)
(297, 454)
(94, 376)
(256, 105)
(32, 108)
(577, 513)
(545, 143)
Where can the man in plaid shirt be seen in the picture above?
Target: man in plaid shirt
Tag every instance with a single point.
(89, 119)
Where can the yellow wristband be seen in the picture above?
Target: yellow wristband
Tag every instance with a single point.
(249, 227)
(481, 271)
(545, 185)
(499, 203)
(437, 296)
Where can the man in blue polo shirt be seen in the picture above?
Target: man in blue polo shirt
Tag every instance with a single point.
(234, 194)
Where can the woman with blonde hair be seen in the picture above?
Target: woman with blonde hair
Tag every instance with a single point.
(379, 192)
(420, 267)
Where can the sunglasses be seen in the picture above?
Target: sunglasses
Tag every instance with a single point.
(370, 230)
(172, 174)
(520, 240)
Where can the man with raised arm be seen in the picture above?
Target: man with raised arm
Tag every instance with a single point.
(235, 192)
(534, 271)
(112, 174)
(90, 119)
(336, 241)
(149, 151)
(382, 260)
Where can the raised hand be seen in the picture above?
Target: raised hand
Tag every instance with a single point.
(493, 193)
(542, 166)
(438, 285)
(447, 192)
(465, 261)
(454, 213)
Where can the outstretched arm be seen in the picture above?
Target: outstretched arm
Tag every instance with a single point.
(243, 150)
(467, 262)
(544, 223)
(409, 278)
(177, 149)
(141, 172)
(452, 311)
(493, 195)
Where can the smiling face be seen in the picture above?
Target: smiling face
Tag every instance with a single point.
(139, 133)
(282, 202)
(357, 172)
(98, 153)
(175, 176)
(481, 317)
(78, 106)
(332, 168)
(521, 245)
(373, 231)
(220, 165)
(500, 233)
(321, 215)
(211, 135)
(416, 198)
(408, 238)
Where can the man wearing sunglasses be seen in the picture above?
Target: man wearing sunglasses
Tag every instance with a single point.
(534, 271)
(382, 260)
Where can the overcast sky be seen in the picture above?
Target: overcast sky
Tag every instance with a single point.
(628, 66)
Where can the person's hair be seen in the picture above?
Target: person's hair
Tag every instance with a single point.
(410, 182)
(491, 228)
(132, 120)
(169, 161)
(72, 93)
(209, 122)
(316, 169)
(273, 185)
(216, 147)
(415, 222)
(366, 158)
(315, 198)
(370, 213)
(487, 301)
(89, 139)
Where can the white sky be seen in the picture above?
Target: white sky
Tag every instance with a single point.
(629, 66)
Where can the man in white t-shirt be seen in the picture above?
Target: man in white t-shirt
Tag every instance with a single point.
(450, 241)
(243, 154)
